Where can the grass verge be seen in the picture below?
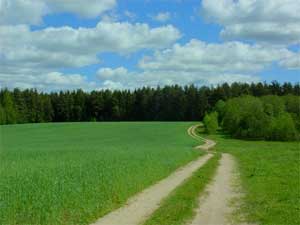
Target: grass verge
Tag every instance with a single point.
(179, 206)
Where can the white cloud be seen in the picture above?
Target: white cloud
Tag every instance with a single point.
(199, 63)
(22, 11)
(268, 21)
(31, 53)
(109, 73)
(31, 11)
(162, 16)
(47, 81)
(130, 14)
(57, 47)
(135, 79)
(292, 62)
(112, 85)
(230, 57)
(84, 8)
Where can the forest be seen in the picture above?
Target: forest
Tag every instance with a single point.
(169, 103)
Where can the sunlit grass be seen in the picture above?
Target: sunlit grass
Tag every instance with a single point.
(75, 173)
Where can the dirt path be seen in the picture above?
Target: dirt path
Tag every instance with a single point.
(141, 206)
(208, 144)
(215, 208)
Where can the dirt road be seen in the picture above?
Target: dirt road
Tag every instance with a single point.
(208, 144)
(215, 207)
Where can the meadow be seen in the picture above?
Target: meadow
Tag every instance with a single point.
(73, 173)
(269, 173)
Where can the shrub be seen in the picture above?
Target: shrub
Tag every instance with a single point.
(262, 118)
(245, 118)
(211, 122)
(282, 128)
(220, 109)
(273, 105)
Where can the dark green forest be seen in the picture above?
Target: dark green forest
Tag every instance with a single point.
(170, 103)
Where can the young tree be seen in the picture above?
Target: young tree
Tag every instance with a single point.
(220, 109)
(2, 115)
(9, 108)
(211, 122)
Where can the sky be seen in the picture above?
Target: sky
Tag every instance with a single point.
(54, 45)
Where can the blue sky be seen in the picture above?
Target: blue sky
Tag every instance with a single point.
(113, 44)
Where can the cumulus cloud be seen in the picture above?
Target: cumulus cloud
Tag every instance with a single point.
(214, 58)
(134, 79)
(66, 46)
(292, 62)
(88, 9)
(109, 73)
(199, 63)
(31, 11)
(47, 81)
(162, 17)
(23, 51)
(268, 21)
(22, 11)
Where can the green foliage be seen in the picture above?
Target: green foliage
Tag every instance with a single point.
(292, 104)
(259, 118)
(169, 103)
(220, 109)
(9, 108)
(210, 122)
(273, 105)
(2, 115)
(282, 128)
(179, 206)
(244, 117)
(74, 173)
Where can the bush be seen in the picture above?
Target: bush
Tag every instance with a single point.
(292, 104)
(245, 118)
(282, 128)
(211, 122)
(261, 118)
(220, 109)
(273, 105)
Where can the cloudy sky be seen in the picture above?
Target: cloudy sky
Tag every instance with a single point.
(62, 44)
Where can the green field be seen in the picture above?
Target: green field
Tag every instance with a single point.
(73, 173)
(270, 178)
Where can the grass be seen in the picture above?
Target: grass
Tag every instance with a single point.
(73, 173)
(270, 178)
(179, 206)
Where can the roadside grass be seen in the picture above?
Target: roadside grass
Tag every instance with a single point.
(179, 206)
(74, 173)
(270, 179)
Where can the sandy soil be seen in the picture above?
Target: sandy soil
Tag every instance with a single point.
(208, 144)
(141, 206)
(215, 207)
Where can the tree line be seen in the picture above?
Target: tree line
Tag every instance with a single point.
(268, 117)
(169, 103)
